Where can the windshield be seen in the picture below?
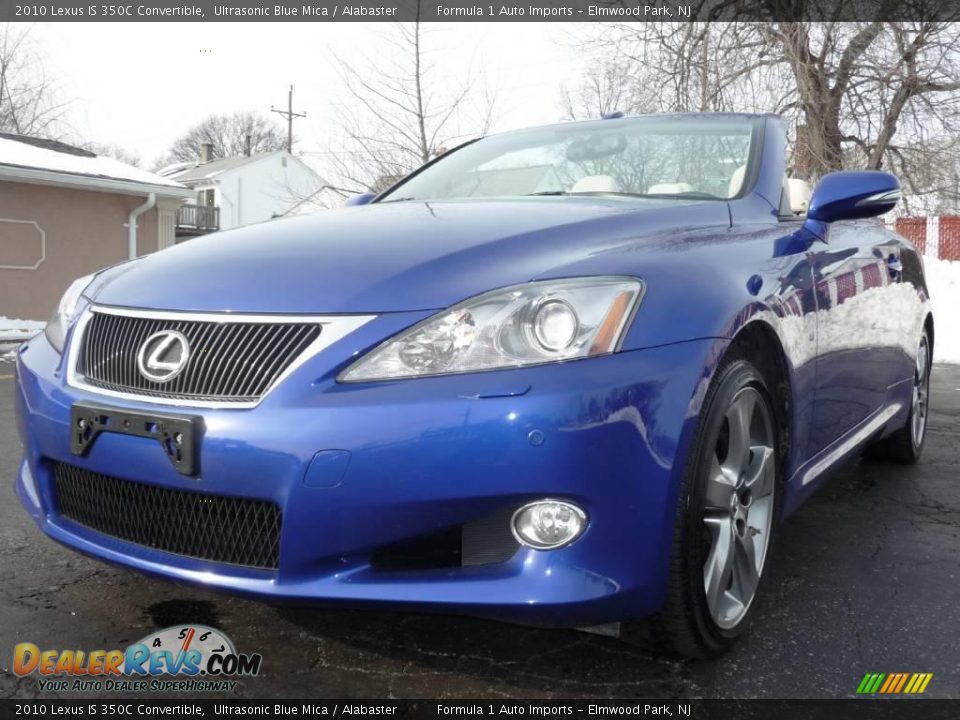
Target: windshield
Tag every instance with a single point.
(681, 158)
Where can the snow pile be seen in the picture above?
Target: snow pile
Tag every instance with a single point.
(18, 330)
(943, 281)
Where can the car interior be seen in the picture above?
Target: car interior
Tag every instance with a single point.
(794, 199)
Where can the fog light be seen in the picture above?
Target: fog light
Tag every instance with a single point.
(548, 524)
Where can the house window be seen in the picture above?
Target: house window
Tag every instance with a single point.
(206, 197)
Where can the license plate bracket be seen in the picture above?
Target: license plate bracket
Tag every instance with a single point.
(178, 435)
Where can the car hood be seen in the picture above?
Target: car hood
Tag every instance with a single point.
(389, 257)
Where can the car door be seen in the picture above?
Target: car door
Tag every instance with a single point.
(859, 346)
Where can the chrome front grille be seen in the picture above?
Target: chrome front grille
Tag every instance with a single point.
(232, 361)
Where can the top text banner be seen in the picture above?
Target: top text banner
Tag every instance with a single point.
(481, 11)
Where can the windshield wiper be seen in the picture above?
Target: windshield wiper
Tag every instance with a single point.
(400, 199)
(547, 192)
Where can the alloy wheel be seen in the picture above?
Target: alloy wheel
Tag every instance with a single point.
(738, 507)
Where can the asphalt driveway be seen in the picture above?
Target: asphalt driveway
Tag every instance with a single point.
(865, 578)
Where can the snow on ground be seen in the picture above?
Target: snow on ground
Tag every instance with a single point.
(943, 280)
(17, 330)
(12, 333)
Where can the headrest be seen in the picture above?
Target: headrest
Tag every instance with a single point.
(736, 181)
(669, 188)
(596, 184)
(798, 192)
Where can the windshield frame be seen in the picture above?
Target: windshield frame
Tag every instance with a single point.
(754, 161)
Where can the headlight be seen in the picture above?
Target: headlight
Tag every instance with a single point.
(56, 330)
(528, 324)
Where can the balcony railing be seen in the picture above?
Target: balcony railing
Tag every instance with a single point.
(201, 218)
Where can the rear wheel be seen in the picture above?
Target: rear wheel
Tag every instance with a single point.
(906, 444)
(726, 517)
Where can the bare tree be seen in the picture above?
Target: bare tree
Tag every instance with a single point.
(28, 103)
(678, 67)
(856, 94)
(606, 87)
(229, 135)
(113, 151)
(875, 87)
(402, 117)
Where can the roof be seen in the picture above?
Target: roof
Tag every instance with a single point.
(208, 170)
(168, 170)
(51, 162)
(194, 174)
(47, 144)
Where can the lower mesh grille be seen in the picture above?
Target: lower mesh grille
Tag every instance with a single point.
(222, 529)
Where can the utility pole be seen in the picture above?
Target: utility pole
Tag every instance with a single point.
(289, 114)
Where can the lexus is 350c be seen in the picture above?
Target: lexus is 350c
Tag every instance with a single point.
(572, 375)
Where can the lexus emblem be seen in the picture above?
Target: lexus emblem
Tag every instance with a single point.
(163, 356)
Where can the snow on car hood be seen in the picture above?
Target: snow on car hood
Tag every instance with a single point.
(391, 256)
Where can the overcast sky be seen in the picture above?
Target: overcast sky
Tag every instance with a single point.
(140, 85)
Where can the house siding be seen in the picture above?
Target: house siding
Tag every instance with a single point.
(83, 231)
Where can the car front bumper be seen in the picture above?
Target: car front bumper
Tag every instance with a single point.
(420, 456)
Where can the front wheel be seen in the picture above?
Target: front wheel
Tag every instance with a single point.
(726, 517)
(906, 444)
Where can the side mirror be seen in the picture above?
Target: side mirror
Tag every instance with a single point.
(361, 199)
(853, 194)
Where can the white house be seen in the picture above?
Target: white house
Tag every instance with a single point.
(236, 191)
(326, 198)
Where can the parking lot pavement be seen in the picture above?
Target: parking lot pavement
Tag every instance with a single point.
(864, 579)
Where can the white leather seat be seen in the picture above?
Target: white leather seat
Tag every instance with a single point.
(595, 184)
(669, 188)
(736, 181)
(796, 192)
(798, 195)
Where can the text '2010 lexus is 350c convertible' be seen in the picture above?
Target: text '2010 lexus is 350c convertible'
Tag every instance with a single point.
(571, 376)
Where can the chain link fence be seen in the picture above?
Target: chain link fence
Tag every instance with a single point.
(937, 236)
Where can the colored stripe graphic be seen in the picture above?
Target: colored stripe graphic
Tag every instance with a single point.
(918, 683)
(903, 680)
(891, 681)
(870, 683)
(894, 683)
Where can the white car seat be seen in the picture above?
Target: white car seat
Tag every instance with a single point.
(798, 195)
(736, 181)
(596, 184)
(669, 188)
(795, 198)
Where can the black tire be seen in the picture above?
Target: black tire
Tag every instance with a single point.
(687, 626)
(905, 445)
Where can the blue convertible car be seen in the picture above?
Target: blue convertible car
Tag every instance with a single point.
(572, 375)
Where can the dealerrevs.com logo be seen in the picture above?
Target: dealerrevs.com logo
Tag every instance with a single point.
(199, 658)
